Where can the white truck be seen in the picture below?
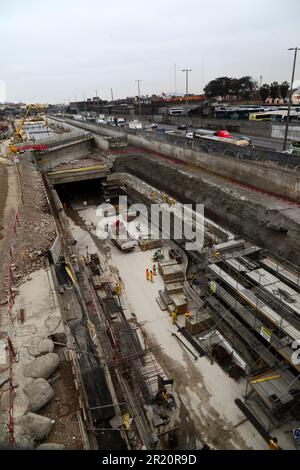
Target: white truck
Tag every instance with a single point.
(135, 125)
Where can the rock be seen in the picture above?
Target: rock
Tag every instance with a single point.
(33, 425)
(40, 346)
(46, 346)
(42, 367)
(39, 393)
(52, 323)
(51, 446)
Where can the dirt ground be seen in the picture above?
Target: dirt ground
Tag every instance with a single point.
(9, 196)
(62, 409)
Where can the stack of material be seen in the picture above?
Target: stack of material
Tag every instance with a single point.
(96, 282)
(174, 254)
(174, 288)
(163, 300)
(171, 274)
(162, 264)
(146, 243)
(180, 303)
(117, 141)
(199, 323)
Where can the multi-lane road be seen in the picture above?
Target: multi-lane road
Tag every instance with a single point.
(271, 143)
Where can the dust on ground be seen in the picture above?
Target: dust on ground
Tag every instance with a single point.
(62, 409)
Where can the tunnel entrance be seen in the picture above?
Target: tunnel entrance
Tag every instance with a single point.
(90, 191)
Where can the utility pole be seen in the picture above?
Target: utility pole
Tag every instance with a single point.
(139, 93)
(295, 49)
(112, 95)
(186, 96)
(260, 81)
(175, 79)
(84, 104)
(97, 102)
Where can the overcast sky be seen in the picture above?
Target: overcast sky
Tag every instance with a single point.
(54, 50)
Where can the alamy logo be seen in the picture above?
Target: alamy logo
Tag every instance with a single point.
(296, 354)
(183, 222)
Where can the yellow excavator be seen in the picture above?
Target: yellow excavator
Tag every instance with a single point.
(17, 136)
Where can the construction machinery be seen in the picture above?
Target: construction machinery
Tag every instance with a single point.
(158, 255)
(17, 136)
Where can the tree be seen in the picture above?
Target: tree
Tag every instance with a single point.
(243, 87)
(218, 87)
(247, 87)
(264, 92)
(274, 90)
(284, 88)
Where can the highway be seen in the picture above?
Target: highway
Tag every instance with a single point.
(270, 143)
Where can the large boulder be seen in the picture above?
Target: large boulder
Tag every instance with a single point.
(27, 429)
(39, 346)
(51, 446)
(42, 367)
(39, 393)
(21, 403)
(36, 426)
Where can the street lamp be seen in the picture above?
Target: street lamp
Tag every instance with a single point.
(186, 95)
(290, 97)
(139, 93)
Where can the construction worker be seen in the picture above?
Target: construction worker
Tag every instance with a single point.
(153, 195)
(118, 289)
(172, 202)
(174, 316)
(147, 274)
(154, 269)
(273, 444)
(165, 397)
(188, 315)
(165, 198)
(151, 276)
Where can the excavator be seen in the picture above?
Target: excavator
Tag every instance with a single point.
(17, 136)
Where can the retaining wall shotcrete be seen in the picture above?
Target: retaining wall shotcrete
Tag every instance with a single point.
(268, 228)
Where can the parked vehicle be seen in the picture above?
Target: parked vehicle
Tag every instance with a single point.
(181, 127)
(189, 135)
(135, 125)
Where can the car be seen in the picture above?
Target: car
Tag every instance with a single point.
(189, 135)
(242, 137)
(160, 129)
(181, 127)
(154, 125)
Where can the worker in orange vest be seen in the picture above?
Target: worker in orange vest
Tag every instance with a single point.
(151, 276)
(273, 444)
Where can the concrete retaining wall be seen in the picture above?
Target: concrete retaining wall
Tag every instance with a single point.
(264, 175)
(261, 175)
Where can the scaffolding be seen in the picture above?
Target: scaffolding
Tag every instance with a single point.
(256, 312)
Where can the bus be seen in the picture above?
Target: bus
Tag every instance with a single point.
(268, 116)
(176, 111)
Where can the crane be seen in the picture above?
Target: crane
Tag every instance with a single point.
(17, 136)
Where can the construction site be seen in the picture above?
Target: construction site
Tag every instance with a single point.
(133, 341)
